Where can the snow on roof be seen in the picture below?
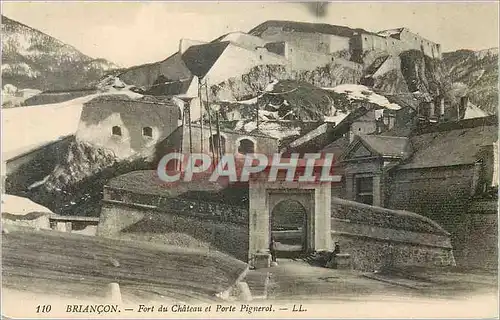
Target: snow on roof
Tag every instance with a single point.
(251, 101)
(21, 206)
(390, 32)
(362, 93)
(27, 128)
(337, 118)
(272, 129)
(473, 111)
(310, 135)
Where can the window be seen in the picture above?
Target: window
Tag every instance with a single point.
(364, 190)
(116, 131)
(214, 144)
(260, 57)
(147, 132)
(246, 146)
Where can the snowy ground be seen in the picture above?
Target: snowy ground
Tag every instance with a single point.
(27, 128)
(21, 206)
(362, 93)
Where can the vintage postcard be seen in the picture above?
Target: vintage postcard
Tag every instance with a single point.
(249, 160)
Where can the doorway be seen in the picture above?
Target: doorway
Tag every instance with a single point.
(289, 228)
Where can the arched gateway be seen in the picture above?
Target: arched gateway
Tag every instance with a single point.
(266, 196)
(288, 227)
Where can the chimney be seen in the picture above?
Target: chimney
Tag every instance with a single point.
(464, 102)
(432, 112)
(441, 108)
(185, 44)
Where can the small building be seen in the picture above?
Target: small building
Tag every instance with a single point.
(438, 171)
(127, 126)
(187, 140)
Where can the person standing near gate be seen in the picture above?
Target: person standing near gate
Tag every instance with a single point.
(272, 248)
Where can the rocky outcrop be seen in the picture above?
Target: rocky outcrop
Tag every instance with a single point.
(75, 186)
(238, 88)
(474, 73)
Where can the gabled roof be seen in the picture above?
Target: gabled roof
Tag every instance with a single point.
(450, 144)
(386, 145)
(379, 146)
(308, 28)
(200, 59)
(337, 147)
(173, 68)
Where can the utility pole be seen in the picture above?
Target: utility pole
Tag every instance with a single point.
(211, 140)
(201, 113)
(183, 133)
(257, 113)
(218, 135)
(190, 131)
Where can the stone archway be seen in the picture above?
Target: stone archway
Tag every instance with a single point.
(265, 195)
(288, 223)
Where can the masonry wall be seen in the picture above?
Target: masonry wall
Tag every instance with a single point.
(301, 59)
(481, 226)
(366, 42)
(99, 117)
(363, 125)
(312, 42)
(431, 49)
(263, 144)
(34, 220)
(369, 253)
(376, 237)
(179, 222)
(442, 194)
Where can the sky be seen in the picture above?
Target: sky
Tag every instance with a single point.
(133, 33)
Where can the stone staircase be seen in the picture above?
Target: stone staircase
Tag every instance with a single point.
(258, 282)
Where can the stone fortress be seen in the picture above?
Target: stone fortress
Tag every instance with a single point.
(295, 45)
(375, 233)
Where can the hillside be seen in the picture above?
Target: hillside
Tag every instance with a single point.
(69, 265)
(475, 73)
(35, 60)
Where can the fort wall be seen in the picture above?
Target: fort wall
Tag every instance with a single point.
(175, 221)
(126, 126)
(374, 237)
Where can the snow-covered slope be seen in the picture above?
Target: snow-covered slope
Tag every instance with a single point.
(33, 59)
(27, 128)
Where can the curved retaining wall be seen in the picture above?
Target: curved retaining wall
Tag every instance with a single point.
(377, 237)
(374, 237)
(174, 221)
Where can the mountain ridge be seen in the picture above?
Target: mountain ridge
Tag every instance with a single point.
(33, 59)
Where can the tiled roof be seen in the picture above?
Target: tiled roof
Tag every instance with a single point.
(451, 144)
(386, 145)
(337, 147)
